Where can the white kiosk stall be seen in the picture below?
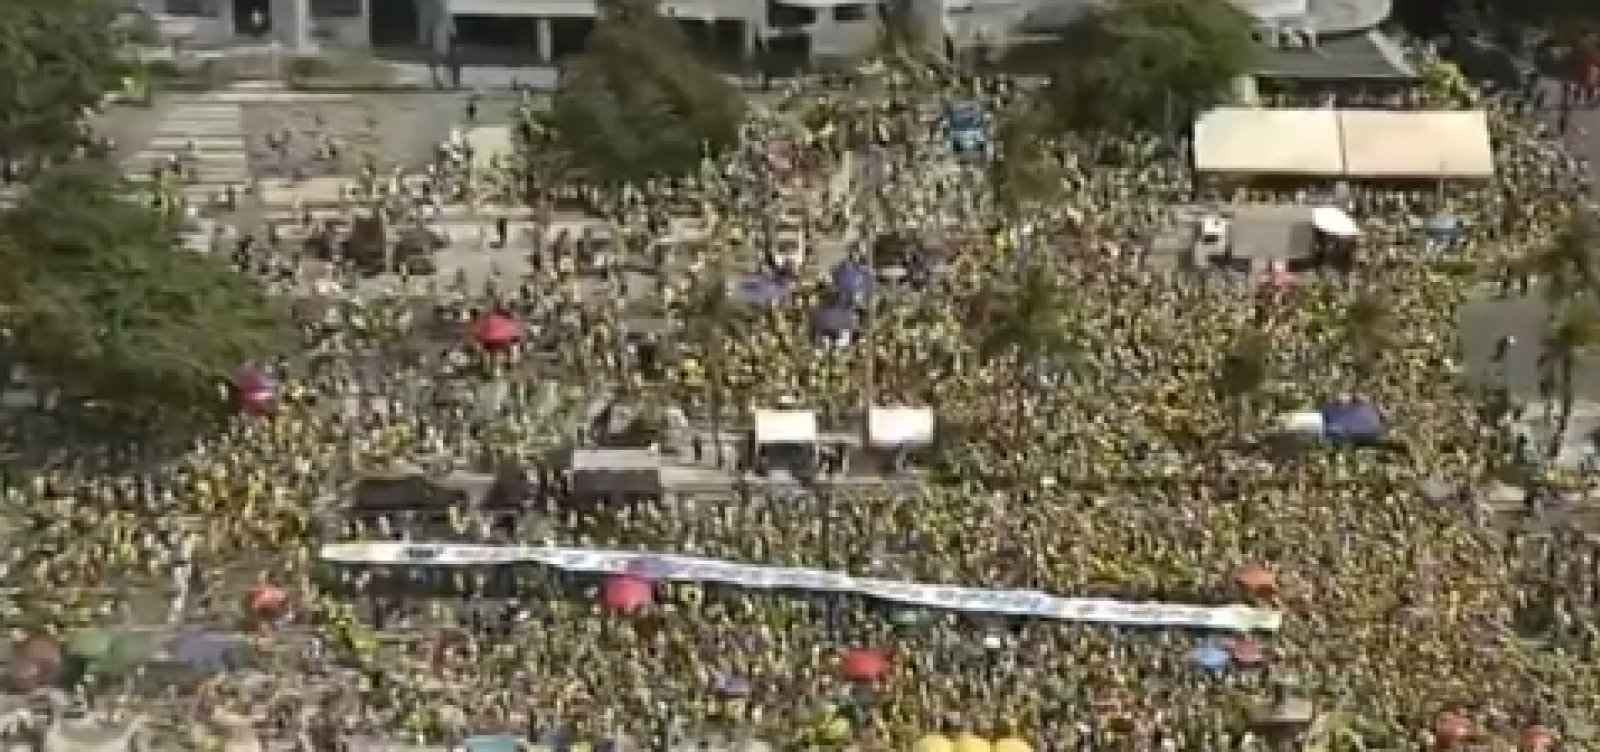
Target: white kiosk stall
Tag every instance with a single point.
(893, 433)
(616, 472)
(785, 439)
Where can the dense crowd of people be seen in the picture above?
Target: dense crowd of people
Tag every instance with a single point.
(1094, 457)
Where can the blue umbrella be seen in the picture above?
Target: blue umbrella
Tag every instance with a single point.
(758, 291)
(1444, 224)
(852, 278)
(732, 685)
(835, 320)
(1353, 420)
(1211, 657)
(1444, 228)
(202, 650)
(493, 743)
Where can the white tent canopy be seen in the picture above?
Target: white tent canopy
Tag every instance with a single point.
(899, 426)
(1345, 143)
(1335, 221)
(1268, 142)
(1433, 144)
(1303, 423)
(786, 427)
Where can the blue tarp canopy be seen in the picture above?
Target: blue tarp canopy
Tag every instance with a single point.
(835, 320)
(1444, 226)
(1211, 657)
(493, 743)
(968, 126)
(964, 115)
(852, 278)
(1351, 420)
(758, 290)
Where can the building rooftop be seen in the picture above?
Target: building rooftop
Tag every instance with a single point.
(1369, 56)
(1331, 17)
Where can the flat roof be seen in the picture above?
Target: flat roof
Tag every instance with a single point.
(1432, 144)
(1346, 143)
(1268, 141)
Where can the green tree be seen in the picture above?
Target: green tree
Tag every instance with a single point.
(1367, 331)
(639, 103)
(1245, 369)
(58, 58)
(1031, 324)
(1024, 172)
(99, 301)
(1149, 63)
(709, 312)
(1570, 264)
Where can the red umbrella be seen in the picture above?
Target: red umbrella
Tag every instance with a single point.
(864, 665)
(1537, 739)
(496, 331)
(35, 662)
(257, 390)
(1247, 652)
(626, 592)
(1258, 579)
(266, 601)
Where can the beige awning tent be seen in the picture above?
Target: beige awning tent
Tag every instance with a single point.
(1251, 141)
(899, 426)
(786, 427)
(1390, 144)
(1432, 144)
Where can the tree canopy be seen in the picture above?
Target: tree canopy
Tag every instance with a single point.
(1149, 63)
(58, 58)
(639, 103)
(96, 299)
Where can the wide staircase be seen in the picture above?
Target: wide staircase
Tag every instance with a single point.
(216, 130)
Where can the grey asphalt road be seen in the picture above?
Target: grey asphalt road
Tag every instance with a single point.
(1484, 322)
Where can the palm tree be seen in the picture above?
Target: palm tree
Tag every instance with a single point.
(1244, 371)
(1569, 265)
(1366, 331)
(1574, 333)
(1029, 326)
(1024, 172)
(709, 311)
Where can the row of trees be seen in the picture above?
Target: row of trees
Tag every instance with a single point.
(97, 302)
(639, 101)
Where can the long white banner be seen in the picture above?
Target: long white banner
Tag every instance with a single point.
(691, 568)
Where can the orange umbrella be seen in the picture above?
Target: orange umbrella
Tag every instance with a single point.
(1452, 728)
(1258, 579)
